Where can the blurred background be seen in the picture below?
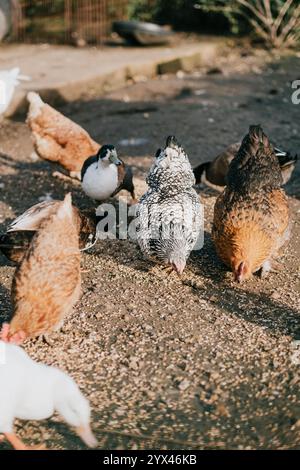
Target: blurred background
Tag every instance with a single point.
(276, 23)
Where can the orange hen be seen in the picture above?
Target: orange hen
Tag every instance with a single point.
(251, 216)
(16, 241)
(47, 283)
(57, 138)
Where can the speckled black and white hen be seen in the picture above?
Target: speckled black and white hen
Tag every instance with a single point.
(169, 215)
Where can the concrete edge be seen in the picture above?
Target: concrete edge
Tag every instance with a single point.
(100, 85)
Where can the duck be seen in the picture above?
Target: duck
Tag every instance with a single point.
(47, 283)
(15, 242)
(214, 173)
(57, 138)
(251, 217)
(34, 391)
(104, 175)
(169, 214)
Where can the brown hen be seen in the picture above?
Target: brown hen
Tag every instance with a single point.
(47, 284)
(214, 173)
(57, 138)
(251, 216)
(16, 241)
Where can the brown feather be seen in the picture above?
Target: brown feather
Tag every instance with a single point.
(47, 283)
(251, 217)
(57, 138)
(16, 241)
(216, 172)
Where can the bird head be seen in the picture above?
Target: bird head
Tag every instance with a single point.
(177, 262)
(73, 407)
(173, 152)
(108, 153)
(241, 270)
(172, 142)
(171, 169)
(176, 247)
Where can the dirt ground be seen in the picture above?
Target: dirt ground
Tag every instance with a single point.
(198, 362)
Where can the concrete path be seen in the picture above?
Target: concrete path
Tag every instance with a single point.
(63, 74)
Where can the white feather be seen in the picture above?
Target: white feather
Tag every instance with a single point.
(100, 180)
(33, 391)
(9, 80)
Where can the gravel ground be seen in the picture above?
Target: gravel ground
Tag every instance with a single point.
(198, 362)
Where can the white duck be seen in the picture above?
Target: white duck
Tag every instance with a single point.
(33, 391)
(9, 80)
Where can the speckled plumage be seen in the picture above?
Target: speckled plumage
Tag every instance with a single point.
(170, 213)
(47, 283)
(251, 217)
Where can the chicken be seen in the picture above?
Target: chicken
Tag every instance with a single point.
(251, 216)
(169, 215)
(16, 241)
(57, 138)
(214, 173)
(105, 175)
(33, 391)
(47, 283)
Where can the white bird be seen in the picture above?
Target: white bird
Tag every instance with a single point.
(33, 391)
(9, 80)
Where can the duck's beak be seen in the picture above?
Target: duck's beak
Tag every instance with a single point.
(113, 158)
(86, 435)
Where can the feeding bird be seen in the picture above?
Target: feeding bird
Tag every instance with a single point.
(47, 283)
(214, 173)
(169, 214)
(104, 175)
(251, 216)
(34, 391)
(57, 138)
(9, 80)
(19, 234)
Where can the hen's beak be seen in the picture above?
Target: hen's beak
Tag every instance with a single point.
(179, 266)
(86, 435)
(241, 272)
(238, 278)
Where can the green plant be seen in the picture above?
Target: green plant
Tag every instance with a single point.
(277, 22)
(144, 10)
